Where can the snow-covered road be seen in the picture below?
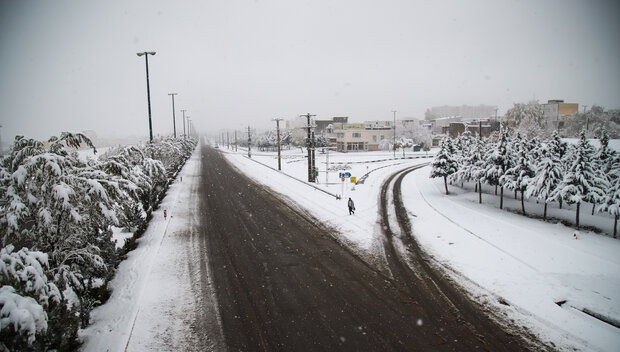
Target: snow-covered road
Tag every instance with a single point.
(527, 263)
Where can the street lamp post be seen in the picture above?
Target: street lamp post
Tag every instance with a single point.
(174, 120)
(189, 124)
(148, 90)
(394, 146)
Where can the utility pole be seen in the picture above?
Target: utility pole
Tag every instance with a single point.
(174, 121)
(310, 147)
(277, 120)
(394, 146)
(587, 118)
(183, 122)
(249, 143)
(235, 140)
(314, 173)
(327, 166)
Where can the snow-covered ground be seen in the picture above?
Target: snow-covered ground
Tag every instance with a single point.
(517, 265)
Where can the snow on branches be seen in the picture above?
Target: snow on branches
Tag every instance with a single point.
(55, 226)
(444, 163)
(550, 171)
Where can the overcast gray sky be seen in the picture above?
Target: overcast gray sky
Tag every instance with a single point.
(72, 65)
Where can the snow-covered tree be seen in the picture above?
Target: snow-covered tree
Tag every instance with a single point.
(60, 206)
(605, 155)
(497, 162)
(526, 119)
(548, 174)
(518, 177)
(444, 164)
(472, 166)
(22, 318)
(582, 182)
(25, 293)
(611, 202)
(55, 219)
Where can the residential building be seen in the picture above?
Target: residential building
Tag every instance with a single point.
(478, 128)
(557, 111)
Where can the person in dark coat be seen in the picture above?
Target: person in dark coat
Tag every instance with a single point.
(351, 206)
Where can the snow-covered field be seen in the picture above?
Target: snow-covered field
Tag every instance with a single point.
(520, 266)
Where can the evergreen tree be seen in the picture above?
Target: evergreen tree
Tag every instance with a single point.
(518, 177)
(582, 182)
(611, 202)
(498, 161)
(547, 176)
(444, 164)
(605, 155)
(56, 241)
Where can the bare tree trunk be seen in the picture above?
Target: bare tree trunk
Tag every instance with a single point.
(501, 197)
(593, 205)
(479, 184)
(545, 212)
(615, 224)
(577, 214)
(522, 203)
(445, 183)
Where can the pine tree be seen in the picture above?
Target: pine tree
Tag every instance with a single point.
(498, 161)
(611, 202)
(582, 182)
(444, 164)
(518, 177)
(547, 176)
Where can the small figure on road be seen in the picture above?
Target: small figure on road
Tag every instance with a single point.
(351, 206)
(165, 214)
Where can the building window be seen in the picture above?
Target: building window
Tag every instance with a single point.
(356, 135)
(340, 135)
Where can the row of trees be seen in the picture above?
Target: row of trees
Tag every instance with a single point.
(551, 171)
(56, 213)
(528, 120)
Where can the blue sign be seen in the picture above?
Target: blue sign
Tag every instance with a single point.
(344, 174)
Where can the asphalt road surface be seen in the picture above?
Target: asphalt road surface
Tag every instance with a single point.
(285, 283)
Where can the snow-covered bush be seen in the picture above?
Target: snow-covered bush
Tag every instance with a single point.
(57, 211)
(24, 295)
(21, 317)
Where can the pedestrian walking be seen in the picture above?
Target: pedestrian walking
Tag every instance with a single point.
(351, 206)
(165, 214)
